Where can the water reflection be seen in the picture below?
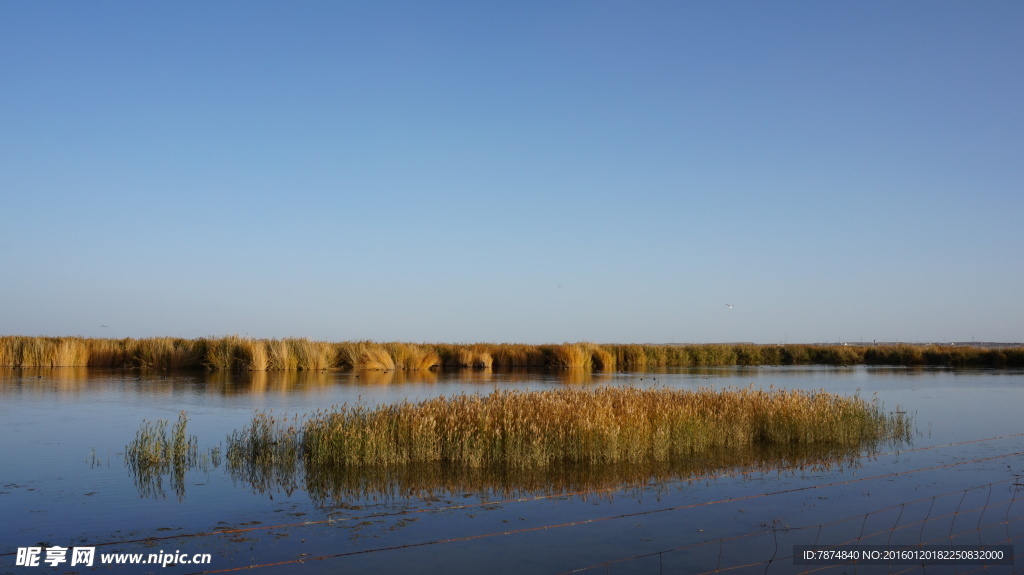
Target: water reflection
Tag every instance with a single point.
(76, 379)
(230, 384)
(329, 486)
(334, 486)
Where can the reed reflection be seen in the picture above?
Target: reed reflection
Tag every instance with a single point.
(341, 485)
(154, 454)
(379, 378)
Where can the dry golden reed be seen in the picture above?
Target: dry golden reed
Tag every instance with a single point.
(365, 355)
(476, 355)
(571, 355)
(239, 353)
(254, 355)
(279, 356)
(509, 355)
(514, 429)
(408, 356)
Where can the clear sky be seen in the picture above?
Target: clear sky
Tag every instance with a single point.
(528, 171)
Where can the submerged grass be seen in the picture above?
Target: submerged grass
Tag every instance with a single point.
(155, 453)
(266, 453)
(237, 353)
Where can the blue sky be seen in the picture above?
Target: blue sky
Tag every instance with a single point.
(523, 171)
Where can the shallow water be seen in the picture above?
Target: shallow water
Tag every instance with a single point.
(63, 480)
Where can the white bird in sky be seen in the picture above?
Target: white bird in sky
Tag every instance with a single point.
(728, 305)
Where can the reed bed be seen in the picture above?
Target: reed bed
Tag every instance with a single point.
(529, 430)
(236, 353)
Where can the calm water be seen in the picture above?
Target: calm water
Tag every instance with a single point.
(63, 480)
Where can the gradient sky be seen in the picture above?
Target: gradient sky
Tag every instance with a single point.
(528, 171)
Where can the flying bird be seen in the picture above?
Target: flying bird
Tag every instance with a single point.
(729, 305)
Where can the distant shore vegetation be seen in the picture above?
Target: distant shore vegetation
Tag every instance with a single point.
(237, 353)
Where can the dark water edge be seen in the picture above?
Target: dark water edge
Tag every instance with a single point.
(65, 481)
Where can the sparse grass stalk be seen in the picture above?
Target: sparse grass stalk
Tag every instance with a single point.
(154, 453)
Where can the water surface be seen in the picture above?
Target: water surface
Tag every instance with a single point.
(63, 480)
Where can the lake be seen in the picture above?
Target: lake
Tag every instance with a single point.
(64, 481)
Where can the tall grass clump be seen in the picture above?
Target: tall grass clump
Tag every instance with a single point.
(279, 356)
(410, 356)
(466, 356)
(253, 354)
(221, 353)
(571, 355)
(109, 353)
(312, 355)
(70, 352)
(509, 355)
(601, 358)
(631, 356)
(43, 351)
(365, 355)
(10, 350)
(168, 353)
